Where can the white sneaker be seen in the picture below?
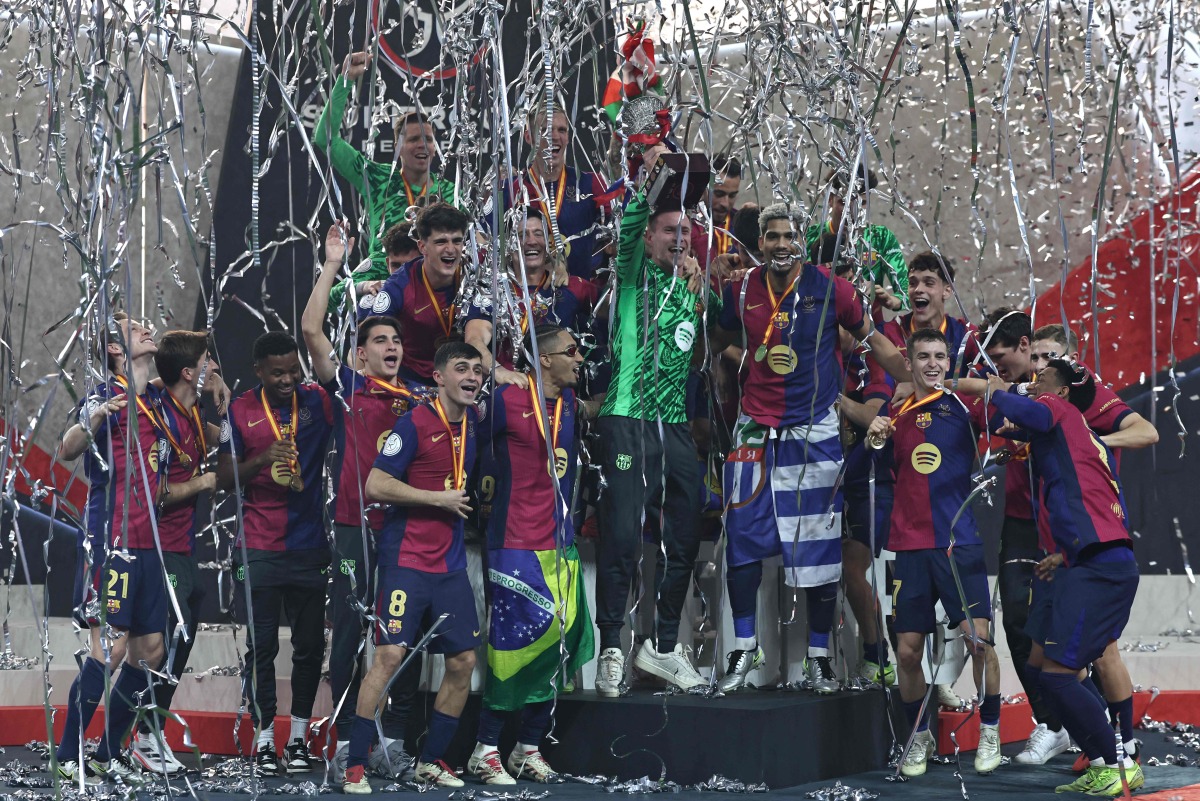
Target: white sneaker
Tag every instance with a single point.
(918, 756)
(987, 757)
(530, 765)
(437, 773)
(948, 699)
(487, 766)
(673, 668)
(152, 758)
(610, 672)
(1043, 745)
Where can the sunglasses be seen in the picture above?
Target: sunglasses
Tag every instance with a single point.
(571, 350)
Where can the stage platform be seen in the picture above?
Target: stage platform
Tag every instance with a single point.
(229, 780)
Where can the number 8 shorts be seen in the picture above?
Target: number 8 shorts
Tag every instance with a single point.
(409, 601)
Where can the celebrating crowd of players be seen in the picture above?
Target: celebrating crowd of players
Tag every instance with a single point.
(773, 348)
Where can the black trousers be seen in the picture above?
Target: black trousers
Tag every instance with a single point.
(660, 476)
(284, 585)
(353, 584)
(184, 577)
(1019, 553)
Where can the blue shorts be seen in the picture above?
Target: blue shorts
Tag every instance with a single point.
(923, 578)
(1041, 604)
(1092, 600)
(409, 601)
(134, 592)
(857, 520)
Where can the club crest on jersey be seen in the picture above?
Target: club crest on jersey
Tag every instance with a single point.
(366, 301)
(781, 320)
(305, 414)
(114, 606)
(399, 407)
(173, 580)
(808, 303)
(394, 626)
(624, 461)
(347, 567)
(241, 573)
(1118, 511)
(924, 419)
(381, 303)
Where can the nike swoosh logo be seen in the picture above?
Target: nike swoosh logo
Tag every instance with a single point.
(475, 633)
(755, 306)
(436, 437)
(423, 308)
(530, 413)
(256, 422)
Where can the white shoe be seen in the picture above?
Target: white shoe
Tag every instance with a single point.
(948, 699)
(987, 757)
(610, 672)
(530, 765)
(1043, 745)
(673, 668)
(152, 758)
(437, 773)
(487, 766)
(918, 755)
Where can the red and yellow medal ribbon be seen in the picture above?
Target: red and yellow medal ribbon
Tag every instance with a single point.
(776, 303)
(156, 421)
(909, 332)
(532, 295)
(445, 317)
(537, 408)
(544, 194)
(412, 201)
(262, 396)
(722, 237)
(913, 403)
(193, 417)
(458, 445)
(394, 390)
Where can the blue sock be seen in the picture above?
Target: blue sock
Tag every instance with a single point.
(437, 739)
(122, 708)
(535, 719)
(822, 603)
(743, 582)
(1121, 713)
(86, 693)
(911, 710)
(1082, 715)
(490, 726)
(362, 737)
(1091, 687)
(989, 710)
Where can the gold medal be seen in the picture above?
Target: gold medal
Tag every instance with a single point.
(285, 432)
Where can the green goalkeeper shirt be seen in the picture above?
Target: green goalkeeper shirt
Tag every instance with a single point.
(384, 190)
(656, 325)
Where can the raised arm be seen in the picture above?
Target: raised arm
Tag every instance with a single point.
(1135, 432)
(312, 322)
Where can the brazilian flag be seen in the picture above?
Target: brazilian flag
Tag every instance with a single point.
(539, 607)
